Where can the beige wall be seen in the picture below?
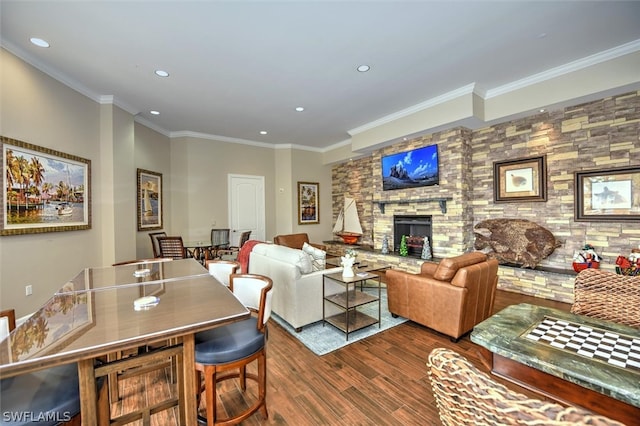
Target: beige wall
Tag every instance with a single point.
(37, 109)
(152, 152)
(307, 167)
(199, 175)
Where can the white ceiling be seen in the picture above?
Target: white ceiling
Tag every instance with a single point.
(239, 67)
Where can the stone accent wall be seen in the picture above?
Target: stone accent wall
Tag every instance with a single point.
(362, 180)
(598, 135)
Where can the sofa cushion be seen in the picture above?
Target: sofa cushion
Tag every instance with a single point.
(286, 254)
(318, 257)
(448, 267)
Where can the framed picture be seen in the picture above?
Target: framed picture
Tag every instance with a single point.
(308, 203)
(149, 203)
(609, 195)
(520, 180)
(43, 190)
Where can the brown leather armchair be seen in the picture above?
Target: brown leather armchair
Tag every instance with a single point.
(296, 241)
(450, 297)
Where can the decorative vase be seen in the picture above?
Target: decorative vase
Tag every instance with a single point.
(347, 272)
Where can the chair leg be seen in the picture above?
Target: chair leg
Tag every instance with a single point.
(243, 377)
(210, 393)
(262, 383)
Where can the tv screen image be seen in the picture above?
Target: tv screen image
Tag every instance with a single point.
(411, 169)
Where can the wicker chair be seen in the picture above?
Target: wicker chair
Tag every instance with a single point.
(172, 247)
(608, 296)
(467, 396)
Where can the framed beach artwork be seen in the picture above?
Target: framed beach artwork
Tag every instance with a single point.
(520, 180)
(608, 195)
(308, 203)
(149, 203)
(43, 190)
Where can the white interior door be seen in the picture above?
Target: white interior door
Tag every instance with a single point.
(246, 207)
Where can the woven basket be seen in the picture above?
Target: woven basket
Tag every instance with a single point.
(466, 396)
(609, 296)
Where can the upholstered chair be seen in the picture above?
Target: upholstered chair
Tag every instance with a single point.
(296, 241)
(450, 297)
(221, 270)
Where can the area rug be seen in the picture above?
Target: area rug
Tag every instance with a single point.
(322, 339)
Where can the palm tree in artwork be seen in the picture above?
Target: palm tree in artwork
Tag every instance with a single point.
(24, 177)
(62, 189)
(10, 164)
(37, 171)
(46, 187)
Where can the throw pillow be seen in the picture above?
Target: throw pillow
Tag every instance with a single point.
(318, 257)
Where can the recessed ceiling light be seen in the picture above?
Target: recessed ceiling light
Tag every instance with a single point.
(162, 73)
(154, 112)
(364, 68)
(299, 109)
(39, 42)
(263, 132)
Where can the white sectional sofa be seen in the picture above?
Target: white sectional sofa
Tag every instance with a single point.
(297, 290)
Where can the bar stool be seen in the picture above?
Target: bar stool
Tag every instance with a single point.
(46, 397)
(222, 269)
(232, 347)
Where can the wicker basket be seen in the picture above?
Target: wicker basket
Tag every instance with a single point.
(608, 296)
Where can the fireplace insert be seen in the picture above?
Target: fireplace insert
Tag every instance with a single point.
(415, 228)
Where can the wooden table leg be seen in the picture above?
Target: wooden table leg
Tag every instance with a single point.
(88, 394)
(187, 384)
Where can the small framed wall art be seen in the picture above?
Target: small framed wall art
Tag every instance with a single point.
(520, 180)
(608, 195)
(308, 203)
(43, 190)
(149, 200)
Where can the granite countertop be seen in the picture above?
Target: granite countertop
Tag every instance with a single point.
(502, 334)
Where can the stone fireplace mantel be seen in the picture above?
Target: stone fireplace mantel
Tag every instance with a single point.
(442, 201)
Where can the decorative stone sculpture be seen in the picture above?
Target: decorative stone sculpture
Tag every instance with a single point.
(517, 241)
(426, 249)
(385, 245)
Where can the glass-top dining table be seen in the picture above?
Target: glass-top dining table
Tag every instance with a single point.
(93, 315)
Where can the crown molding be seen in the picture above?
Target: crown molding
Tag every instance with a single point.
(461, 91)
(31, 60)
(574, 66)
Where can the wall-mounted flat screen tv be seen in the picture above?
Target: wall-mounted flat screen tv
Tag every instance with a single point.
(411, 169)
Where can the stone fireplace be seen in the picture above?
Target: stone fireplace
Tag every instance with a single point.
(415, 227)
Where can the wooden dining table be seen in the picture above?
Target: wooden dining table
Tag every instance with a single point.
(85, 324)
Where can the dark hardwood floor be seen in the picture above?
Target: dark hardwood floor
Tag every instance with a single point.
(379, 380)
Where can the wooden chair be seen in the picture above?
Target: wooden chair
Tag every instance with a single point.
(221, 270)
(172, 247)
(608, 296)
(231, 253)
(219, 241)
(54, 391)
(154, 242)
(466, 396)
(232, 347)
